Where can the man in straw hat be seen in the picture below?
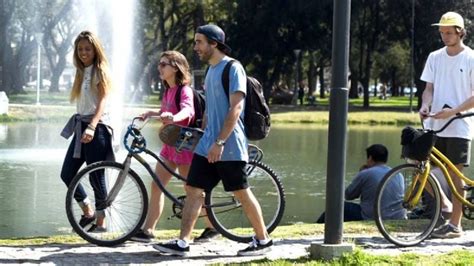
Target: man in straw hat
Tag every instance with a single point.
(449, 77)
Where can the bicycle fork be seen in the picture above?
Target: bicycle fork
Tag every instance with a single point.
(120, 181)
(416, 187)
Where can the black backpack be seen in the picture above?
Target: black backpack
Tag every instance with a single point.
(199, 106)
(256, 113)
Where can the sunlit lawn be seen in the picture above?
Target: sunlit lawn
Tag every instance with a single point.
(399, 101)
(393, 111)
(63, 98)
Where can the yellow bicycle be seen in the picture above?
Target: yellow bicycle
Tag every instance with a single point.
(406, 221)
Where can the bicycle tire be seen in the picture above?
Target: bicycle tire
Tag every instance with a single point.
(400, 224)
(123, 217)
(468, 212)
(230, 219)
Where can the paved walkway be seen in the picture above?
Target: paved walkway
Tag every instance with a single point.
(221, 251)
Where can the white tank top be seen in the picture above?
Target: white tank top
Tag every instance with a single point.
(88, 99)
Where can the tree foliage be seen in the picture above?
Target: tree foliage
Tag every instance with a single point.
(263, 34)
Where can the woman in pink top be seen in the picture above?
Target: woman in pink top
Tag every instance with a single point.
(174, 72)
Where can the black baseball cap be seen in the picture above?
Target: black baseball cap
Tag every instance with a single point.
(215, 33)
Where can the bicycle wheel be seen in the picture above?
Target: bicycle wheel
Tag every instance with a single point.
(468, 212)
(227, 215)
(123, 216)
(399, 223)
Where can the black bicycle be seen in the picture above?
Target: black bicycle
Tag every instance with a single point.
(126, 203)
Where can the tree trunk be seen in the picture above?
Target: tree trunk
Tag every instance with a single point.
(56, 74)
(322, 84)
(267, 89)
(312, 74)
(354, 88)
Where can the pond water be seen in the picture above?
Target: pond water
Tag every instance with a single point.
(32, 193)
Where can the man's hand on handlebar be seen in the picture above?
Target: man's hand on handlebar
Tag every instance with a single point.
(443, 114)
(424, 112)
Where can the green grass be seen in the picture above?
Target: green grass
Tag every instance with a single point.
(353, 118)
(294, 231)
(46, 98)
(62, 98)
(280, 115)
(393, 102)
(359, 257)
(393, 111)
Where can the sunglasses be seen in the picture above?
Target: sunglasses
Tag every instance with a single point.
(163, 64)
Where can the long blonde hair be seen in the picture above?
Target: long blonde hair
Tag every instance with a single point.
(178, 60)
(100, 69)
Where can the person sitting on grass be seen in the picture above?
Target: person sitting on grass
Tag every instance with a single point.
(364, 186)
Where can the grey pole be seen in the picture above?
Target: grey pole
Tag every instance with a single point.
(337, 135)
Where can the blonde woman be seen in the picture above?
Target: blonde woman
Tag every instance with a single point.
(174, 72)
(90, 125)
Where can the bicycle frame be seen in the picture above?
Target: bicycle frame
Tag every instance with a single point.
(138, 146)
(411, 200)
(441, 161)
(127, 198)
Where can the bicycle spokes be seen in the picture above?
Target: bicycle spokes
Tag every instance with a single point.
(124, 213)
(406, 211)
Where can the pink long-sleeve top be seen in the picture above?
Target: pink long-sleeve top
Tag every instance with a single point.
(168, 104)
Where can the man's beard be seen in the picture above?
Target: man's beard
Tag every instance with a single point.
(206, 56)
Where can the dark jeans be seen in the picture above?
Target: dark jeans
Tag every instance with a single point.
(352, 212)
(92, 152)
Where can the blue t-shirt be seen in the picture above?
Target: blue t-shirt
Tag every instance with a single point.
(217, 108)
(365, 186)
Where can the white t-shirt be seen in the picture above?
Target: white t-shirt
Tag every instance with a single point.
(453, 84)
(88, 100)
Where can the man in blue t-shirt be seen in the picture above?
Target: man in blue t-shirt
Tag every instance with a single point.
(221, 154)
(364, 186)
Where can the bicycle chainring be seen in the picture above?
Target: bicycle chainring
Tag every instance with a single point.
(178, 209)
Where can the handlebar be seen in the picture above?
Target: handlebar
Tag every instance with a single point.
(138, 140)
(133, 130)
(144, 121)
(458, 116)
